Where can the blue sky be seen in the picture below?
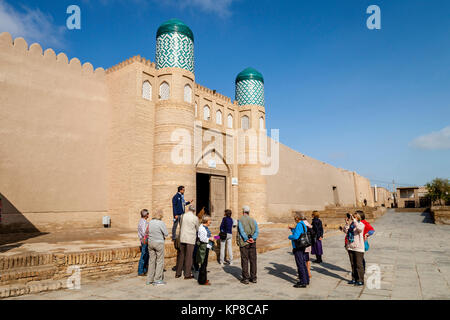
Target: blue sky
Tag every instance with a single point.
(373, 101)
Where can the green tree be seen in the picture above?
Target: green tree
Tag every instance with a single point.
(439, 191)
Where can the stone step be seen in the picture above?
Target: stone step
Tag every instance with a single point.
(27, 274)
(31, 287)
(24, 260)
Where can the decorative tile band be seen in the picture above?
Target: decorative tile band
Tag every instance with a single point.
(250, 92)
(174, 50)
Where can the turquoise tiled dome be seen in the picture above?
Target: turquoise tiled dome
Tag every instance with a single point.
(175, 46)
(175, 25)
(249, 73)
(250, 88)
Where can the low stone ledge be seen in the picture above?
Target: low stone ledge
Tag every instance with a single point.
(399, 210)
(440, 214)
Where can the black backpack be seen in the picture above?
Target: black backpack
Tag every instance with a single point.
(305, 239)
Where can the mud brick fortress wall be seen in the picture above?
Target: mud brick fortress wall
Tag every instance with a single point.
(53, 138)
(77, 144)
(304, 183)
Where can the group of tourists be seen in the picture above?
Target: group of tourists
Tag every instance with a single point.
(193, 241)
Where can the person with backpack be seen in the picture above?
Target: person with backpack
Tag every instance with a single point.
(298, 249)
(308, 249)
(368, 231)
(354, 243)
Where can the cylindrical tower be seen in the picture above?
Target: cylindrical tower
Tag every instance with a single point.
(174, 116)
(252, 184)
(250, 88)
(175, 46)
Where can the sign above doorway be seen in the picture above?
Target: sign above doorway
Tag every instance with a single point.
(212, 163)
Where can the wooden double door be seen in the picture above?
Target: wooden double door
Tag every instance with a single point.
(217, 196)
(211, 195)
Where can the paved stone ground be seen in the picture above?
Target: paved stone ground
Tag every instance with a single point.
(78, 240)
(412, 254)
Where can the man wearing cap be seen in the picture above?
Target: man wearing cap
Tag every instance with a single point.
(246, 240)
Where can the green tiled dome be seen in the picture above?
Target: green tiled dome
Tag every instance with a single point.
(175, 46)
(175, 25)
(248, 74)
(250, 88)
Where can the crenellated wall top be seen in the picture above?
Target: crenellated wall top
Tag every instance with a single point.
(129, 61)
(20, 46)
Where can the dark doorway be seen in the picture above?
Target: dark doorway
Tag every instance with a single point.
(211, 195)
(425, 202)
(410, 204)
(336, 196)
(202, 195)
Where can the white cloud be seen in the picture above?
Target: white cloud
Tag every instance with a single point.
(219, 7)
(438, 140)
(31, 24)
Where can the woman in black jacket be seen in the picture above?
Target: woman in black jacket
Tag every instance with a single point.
(316, 248)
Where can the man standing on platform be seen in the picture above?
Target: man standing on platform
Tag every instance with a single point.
(178, 206)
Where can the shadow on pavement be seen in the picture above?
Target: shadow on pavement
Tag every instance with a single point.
(427, 217)
(327, 272)
(330, 266)
(283, 272)
(234, 271)
(14, 226)
(9, 247)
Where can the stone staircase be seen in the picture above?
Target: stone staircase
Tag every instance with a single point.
(332, 217)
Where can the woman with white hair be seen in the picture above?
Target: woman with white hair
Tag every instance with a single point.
(205, 244)
(157, 232)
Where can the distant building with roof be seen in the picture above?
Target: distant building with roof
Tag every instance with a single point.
(412, 197)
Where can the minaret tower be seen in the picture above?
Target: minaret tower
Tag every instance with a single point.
(174, 115)
(250, 98)
(175, 46)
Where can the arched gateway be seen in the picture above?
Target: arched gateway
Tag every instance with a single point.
(213, 185)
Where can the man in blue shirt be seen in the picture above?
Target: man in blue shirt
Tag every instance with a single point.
(178, 207)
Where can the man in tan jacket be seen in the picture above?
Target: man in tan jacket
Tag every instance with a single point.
(188, 235)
